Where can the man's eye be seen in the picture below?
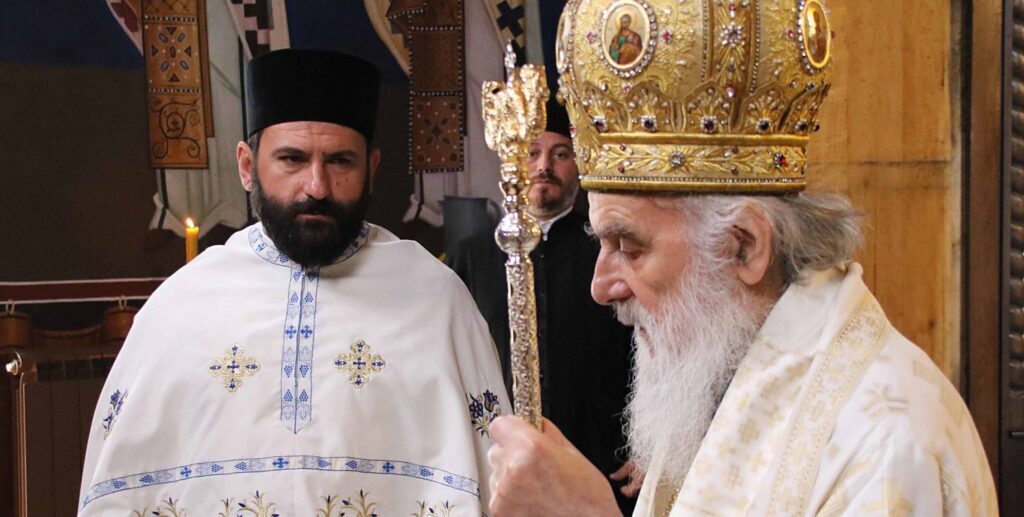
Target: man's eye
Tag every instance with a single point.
(534, 154)
(291, 158)
(563, 155)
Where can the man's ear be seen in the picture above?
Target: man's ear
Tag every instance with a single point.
(374, 162)
(753, 233)
(245, 161)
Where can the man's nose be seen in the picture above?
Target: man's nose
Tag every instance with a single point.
(317, 185)
(542, 166)
(608, 285)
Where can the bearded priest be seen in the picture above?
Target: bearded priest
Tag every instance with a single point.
(313, 365)
(767, 379)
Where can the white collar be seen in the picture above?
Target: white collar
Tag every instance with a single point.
(545, 225)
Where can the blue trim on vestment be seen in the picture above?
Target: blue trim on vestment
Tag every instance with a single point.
(276, 463)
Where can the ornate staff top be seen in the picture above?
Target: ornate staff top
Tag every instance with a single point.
(514, 115)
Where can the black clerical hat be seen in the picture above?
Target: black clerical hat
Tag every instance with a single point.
(558, 119)
(293, 85)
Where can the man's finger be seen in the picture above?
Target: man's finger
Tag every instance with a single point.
(632, 489)
(622, 473)
(507, 429)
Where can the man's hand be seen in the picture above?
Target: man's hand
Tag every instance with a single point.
(635, 475)
(539, 473)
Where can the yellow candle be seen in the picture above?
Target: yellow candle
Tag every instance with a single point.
(191, 240)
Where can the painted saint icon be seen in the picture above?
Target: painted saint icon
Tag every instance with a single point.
(817, 34)
(627, 44)
(626, 32)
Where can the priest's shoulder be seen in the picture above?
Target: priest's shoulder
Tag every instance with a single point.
(905, 391)
(201, 271)
(412, 260)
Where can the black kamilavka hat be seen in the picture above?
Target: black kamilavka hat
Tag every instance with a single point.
(558, 119)
(292, 85)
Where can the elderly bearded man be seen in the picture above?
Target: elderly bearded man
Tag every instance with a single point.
(767, 378)
(314, 364)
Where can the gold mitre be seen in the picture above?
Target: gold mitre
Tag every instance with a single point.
(693, 95)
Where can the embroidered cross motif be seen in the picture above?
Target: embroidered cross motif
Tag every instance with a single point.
(233, 366)
(359, 364)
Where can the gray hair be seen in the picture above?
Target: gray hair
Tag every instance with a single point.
(810, 232)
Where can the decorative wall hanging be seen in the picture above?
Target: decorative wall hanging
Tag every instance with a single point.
(434, 32)
(174, 47)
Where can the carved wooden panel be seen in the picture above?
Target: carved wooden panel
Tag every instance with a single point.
(179, 110)
(1014, 396)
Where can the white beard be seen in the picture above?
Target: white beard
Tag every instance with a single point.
(685, 363)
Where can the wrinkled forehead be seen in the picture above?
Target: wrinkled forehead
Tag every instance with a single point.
(635, 213)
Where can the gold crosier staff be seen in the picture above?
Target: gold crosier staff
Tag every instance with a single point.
(514, 115)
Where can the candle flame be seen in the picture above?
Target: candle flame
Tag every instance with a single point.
(189, 223)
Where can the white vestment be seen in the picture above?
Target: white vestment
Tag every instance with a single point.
(249, 386)
(833, 412)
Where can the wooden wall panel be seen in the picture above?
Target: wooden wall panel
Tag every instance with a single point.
(888, 143)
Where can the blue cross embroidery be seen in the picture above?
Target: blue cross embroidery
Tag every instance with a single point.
(290, 331)
(306, 332)
(186, 472)
(388, 467)
(280, 463)
(232, 367)
(359, 364)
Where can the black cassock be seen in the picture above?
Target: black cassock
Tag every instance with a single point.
(584, 352)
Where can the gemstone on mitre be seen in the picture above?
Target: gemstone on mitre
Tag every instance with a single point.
(649, 123)
(676, 159)
(709, 123)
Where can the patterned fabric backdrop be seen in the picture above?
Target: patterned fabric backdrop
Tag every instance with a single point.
(254, 22)
(437, 91)
(129, 14)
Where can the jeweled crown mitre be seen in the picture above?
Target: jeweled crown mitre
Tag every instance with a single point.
(693, 95)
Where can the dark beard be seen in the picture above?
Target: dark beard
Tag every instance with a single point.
(311, 244)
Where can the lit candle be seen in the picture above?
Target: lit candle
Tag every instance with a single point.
(191, 240)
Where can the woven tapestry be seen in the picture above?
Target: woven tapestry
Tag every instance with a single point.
(434, 34)
(254, 22)
(173, 42)
(509, 18)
